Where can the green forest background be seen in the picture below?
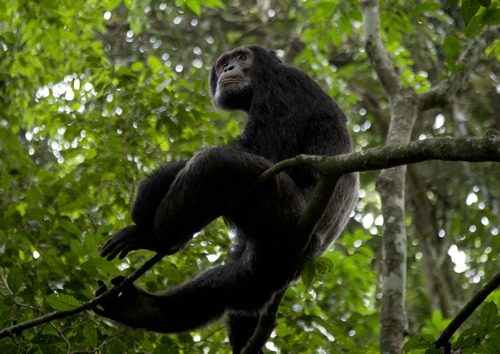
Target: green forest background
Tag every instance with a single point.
(95, 94)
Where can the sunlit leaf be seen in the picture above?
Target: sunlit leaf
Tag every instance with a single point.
(427, 6)
(111, 4)
(154, 63)
(214, 3)
(193, 5)
(137, 66)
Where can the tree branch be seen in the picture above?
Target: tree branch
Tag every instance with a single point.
(86, 306)
(314, 211)
(482, 149)
(376, 50)
(331, 167)
(467, 310)
(441, 93)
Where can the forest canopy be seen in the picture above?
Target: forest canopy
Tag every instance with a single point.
(96, 95)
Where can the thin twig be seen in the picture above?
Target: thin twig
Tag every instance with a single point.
(86, 306)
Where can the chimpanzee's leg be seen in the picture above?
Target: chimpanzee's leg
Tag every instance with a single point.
(241, 328)
(149, 196)
(152, 191)
(205, 298)
(217, 182)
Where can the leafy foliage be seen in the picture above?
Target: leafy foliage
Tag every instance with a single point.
(94, 95)
(479, 338)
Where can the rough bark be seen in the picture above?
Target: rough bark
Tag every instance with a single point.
(391, 186)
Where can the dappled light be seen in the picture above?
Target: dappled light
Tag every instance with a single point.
(94, 96)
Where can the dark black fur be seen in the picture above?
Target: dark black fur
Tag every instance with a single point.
(288, 114)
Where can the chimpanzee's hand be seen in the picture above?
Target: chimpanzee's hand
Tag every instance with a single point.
(118, 306)
(134, 238)
(125, 240)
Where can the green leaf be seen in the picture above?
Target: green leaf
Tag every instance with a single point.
(485, 3)
(427, 6)
(452, 46)
(154, 63)
(14, 279)
(474, 27)
(452, 49)
(492, 17)
(308, 272)
(137, 66)
(111, 4)
(489, 316)
(90, 334)
(433, 350)
(70, 227)
(313, 268)
(469, 338)
(47, 339)
(21, 208)
(194, 6)
(311, 34)
(214, 3)
(322, 265)
(62, 302)
(93, 264)
(469, 9)
(425, 341)
(492, 343)
(4, 287)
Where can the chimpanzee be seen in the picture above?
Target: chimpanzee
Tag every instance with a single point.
(288, 115)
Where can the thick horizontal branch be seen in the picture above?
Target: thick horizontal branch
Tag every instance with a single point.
(451, 149)
(446, 149)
